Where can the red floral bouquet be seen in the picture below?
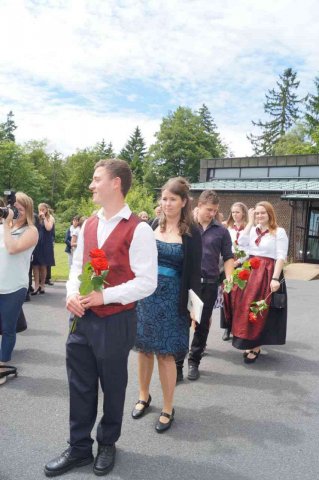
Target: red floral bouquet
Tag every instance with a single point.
(93, 276)
(241, 274)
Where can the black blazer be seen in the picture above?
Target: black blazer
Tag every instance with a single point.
(191, 269)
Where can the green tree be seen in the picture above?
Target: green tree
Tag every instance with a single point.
(283, 106)
(139, 199)
(134, 153)
(213, 142)
(7, 128)
(294, 142)
(104, 150)
(312, 109)
(79, 169)
(181, 143)
(17, 171)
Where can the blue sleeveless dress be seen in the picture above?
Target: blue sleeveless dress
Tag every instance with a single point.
(161, 329)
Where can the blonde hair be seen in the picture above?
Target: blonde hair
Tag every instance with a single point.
(49, 211)
(27, 204)
(230, 221)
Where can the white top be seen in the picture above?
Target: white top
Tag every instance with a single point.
(74, 231)
(14, 268)
(271, 245)
(233, 235)
(143, 261)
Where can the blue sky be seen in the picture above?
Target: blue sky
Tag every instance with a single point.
(76, 71)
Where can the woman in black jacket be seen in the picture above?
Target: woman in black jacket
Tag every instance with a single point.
(163, 319)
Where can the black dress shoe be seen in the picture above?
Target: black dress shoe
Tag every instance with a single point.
(136, 413)
(104, 461)
(179, 374)
(226, 335)
(49, 282)
(193, 373)
(64, 463)
(161, 427)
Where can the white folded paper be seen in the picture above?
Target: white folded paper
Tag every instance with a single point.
(194, 306)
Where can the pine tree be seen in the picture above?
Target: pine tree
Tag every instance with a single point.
(105, 151)
(213, 141)
(134, 153)
(312, 107)
(7, 128)
(283, 107)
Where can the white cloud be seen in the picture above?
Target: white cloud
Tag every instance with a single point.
(197, 51)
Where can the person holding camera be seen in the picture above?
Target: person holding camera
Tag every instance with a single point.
(43, 255)
(18, 237)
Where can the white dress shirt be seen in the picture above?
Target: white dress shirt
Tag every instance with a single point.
(233, 235)
(142, 255)
(271, 245)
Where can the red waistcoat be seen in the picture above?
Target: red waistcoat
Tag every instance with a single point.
(116, 248)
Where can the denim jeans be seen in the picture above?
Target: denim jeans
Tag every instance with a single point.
(10, 308)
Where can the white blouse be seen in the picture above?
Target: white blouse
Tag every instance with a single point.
(271, 245)
(233, 234)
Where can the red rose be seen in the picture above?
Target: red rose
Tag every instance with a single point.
(99, 264)
(97, 253)
(252, 317)
(244, 274)
(254, 262)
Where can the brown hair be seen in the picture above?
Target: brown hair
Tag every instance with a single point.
(209, 196)
(179, 186)
(27, 204)
(244, 209)
(118, 168)
(272, 223)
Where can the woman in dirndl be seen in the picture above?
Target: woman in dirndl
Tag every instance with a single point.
(235, 224)
(264, 239)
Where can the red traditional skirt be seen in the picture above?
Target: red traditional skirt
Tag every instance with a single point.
(237, 303)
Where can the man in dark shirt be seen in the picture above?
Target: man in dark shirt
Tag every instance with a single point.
(216, 243)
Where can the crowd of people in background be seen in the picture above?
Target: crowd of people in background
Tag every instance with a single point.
(189, 249)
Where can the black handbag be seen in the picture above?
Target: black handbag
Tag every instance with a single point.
(279, 298)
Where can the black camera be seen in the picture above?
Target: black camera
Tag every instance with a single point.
(10, 197)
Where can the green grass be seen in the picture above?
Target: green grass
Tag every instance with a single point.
(61, 269)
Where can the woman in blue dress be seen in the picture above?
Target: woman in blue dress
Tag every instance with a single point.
(163, 318)
(43, 254)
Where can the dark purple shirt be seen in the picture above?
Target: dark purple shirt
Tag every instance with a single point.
(216, 242)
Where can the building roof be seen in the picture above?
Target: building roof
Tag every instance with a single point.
(286, 185)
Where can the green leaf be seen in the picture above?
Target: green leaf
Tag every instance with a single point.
(86, 286)
(241, 283)
(97, 283)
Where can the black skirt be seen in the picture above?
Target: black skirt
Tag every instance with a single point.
(275, 329)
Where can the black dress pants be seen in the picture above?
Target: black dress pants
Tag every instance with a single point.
(98, 351)
(208, 296)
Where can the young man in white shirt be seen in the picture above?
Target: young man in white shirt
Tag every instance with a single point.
(105, 331)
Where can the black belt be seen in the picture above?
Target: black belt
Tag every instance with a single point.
(209, 280)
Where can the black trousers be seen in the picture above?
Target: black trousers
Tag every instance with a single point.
(98, 351)
(208, 296)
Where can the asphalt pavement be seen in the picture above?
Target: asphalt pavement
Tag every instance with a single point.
(237, 422)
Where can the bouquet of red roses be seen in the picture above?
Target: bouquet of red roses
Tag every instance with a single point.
(93, 276)
(241, 274)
